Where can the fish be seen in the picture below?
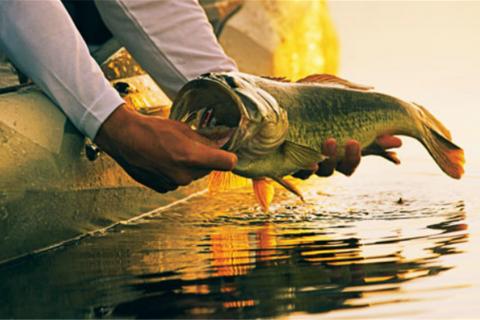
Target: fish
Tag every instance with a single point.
(277, 127)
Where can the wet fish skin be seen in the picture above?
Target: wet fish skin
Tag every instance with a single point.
(321, 112)
(318, 111)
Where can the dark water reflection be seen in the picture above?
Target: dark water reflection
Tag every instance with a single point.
(219, 258)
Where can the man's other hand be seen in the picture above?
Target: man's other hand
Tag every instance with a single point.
(160, 153)
(351, 159)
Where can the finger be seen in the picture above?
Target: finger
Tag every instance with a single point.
(205, 157)
(303, 174)
(352, 158)
(329, 148)
(307, 172)
(180, 177)
(156, 182)
(199, 173)
(387, 142)
(327, 167)
(313, 167)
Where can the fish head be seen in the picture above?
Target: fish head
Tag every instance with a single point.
(232, 103)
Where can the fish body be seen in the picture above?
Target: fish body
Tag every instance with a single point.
(280, 127)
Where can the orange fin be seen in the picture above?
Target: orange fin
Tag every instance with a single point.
(287, 184)
(219, 181)
(331, 79)
(391, 156)
(375, 149)
(448, 156)
(264, 192)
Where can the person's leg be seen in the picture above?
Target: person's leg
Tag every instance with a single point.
(172, 40)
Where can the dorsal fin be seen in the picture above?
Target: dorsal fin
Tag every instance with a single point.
(331, 79)
(279, 79)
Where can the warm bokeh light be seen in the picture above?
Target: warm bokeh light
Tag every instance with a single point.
(308, 39)
(422, 51)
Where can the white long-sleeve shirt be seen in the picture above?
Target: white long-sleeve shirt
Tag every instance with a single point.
(172, 40)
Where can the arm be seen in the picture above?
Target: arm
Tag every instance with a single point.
(42, 41)
(172, 40)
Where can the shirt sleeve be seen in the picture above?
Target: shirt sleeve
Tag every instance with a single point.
(41, 40)
(171, 39)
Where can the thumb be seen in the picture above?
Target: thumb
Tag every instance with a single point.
(207, 157)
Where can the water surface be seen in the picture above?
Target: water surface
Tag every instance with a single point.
(373, 245)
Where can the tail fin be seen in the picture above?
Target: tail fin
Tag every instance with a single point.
(434, 122)
(448, 156)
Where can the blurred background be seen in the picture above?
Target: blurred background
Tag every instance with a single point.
(424, 51)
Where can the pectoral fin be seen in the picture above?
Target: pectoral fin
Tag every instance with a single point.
(264, 192)
(331, 79)
(303, 157)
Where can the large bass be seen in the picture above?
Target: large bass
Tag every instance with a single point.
(277, 127)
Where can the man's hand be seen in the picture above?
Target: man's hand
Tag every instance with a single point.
(351, 159)
(160, 153)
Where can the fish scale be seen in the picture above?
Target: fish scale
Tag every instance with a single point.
(336, 113)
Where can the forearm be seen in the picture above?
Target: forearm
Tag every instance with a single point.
(42, 41)
(172, 40)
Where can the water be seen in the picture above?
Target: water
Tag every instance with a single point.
(396, 243)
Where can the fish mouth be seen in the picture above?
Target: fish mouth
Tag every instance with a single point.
(208, 104)
(232, 106)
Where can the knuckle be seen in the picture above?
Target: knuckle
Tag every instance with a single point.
(182, 156)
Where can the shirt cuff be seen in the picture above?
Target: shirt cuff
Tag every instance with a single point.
(103, 107)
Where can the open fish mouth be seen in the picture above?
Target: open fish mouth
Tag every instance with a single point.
(232, 107)
(208, 105)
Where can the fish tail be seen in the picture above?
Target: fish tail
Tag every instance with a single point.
(434, 122)
(449, 157)
(437, 139)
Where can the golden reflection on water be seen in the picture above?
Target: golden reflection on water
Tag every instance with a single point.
(231, 251)
(221, 257)
(368, 262)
